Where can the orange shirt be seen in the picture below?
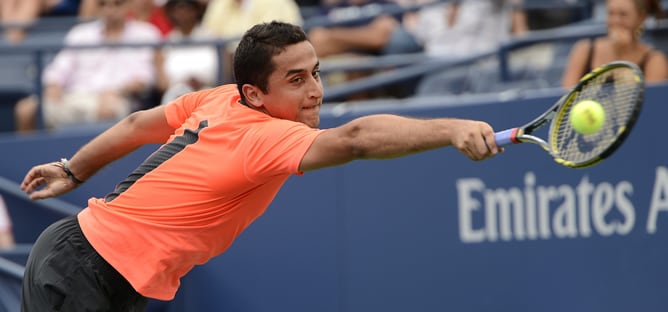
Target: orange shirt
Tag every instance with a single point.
(189, 200)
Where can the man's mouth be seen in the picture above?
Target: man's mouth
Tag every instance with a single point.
(311, 107)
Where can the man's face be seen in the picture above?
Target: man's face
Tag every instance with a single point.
(114, 11)
(294, 89)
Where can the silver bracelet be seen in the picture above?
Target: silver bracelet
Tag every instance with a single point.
(66, 168)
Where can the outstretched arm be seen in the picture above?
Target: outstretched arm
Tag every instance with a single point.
(142, 127)
(390, 136)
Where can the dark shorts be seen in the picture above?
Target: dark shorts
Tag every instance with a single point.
(65, 273)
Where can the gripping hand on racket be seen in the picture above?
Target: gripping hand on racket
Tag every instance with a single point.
(52, 176)
(475, 139)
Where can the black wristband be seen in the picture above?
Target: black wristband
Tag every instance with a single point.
(69, 173)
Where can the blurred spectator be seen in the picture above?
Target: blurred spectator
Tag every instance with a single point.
(625, 20)
(187, 68)
(381, 34)
(92, 85)
(364, 27)
(462, 28)
(150, 11)
(231, 18)
(22, 13)
(6, 232)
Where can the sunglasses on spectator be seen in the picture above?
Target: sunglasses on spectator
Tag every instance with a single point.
(115, 3)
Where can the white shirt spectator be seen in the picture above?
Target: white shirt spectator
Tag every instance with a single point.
(480, 26)
(110, 68)
(185, 62)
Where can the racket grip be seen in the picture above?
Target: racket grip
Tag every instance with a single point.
(506, 137)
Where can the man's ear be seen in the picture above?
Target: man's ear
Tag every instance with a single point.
(253, 95)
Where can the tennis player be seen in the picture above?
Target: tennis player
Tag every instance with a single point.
(225, 154)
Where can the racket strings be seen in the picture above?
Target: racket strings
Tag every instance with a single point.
(617, 90)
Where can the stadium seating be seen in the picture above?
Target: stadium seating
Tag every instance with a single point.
(8, 97)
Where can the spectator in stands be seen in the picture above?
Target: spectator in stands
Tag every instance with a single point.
(93, 85)
(380, 34)
(363, 27)
(6, 233)
(231, 18)
(461, 28)
(21, 13)
(625, 20)
(187, 68)
(150, 11)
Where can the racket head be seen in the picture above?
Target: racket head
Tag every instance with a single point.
(619, 88)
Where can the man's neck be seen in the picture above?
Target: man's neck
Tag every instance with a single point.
(113, 30)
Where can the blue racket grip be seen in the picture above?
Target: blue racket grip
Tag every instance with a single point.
(506, 137)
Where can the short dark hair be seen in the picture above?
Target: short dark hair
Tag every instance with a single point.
(253, 58)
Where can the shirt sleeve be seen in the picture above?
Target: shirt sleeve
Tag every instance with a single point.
(180, 109)
(277, 148)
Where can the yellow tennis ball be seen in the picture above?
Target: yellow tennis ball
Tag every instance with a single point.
(587, 116)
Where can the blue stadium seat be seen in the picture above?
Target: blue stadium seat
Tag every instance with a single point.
(17, 71)
(18, 61)
(10, 294)
(8, 98)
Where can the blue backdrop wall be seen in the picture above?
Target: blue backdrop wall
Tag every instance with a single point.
(429, 232)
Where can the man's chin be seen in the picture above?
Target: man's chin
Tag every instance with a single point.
(312, 122)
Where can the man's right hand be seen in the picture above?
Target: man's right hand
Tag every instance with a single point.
(51, 176)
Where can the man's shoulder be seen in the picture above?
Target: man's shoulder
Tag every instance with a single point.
(222, 90)
(212, 97)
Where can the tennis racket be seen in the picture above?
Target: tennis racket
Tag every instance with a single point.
(618, 86)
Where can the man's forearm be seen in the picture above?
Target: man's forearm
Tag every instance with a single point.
(102, 150)
(388, 136)
(144, 127)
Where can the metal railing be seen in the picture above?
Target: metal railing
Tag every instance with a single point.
(418, 65)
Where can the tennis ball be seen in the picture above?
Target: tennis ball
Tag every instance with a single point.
(587, 116)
